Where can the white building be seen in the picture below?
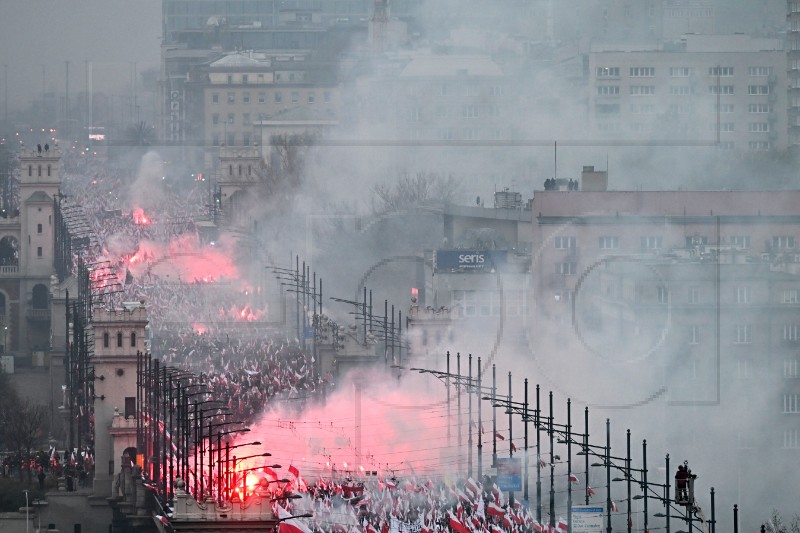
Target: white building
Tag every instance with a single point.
(688, 90)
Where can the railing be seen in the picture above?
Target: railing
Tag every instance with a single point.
(9, 269)
(38, 314)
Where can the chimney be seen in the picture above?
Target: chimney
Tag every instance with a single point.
(594, 180)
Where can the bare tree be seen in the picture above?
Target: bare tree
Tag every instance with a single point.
(24, 424)
(413, 190)
(776, 524)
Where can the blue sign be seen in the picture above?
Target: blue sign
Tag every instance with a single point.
(470, 260)
(587, 519)
(308, 332)
(509, 474)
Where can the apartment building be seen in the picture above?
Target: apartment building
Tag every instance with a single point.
(243, 99)
(728, 90)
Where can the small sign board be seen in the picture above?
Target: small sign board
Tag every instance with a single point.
(509, 474)
(587, 519)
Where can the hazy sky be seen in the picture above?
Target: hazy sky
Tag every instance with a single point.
(112, 34)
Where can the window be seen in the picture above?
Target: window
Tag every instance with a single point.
(782, 242)
(245, 98)
(680, 72)
(755, 90)
(758, 146)
(245, 79)
(215, 98)
(215, 118)
(119, 340)
(694, 334)
(662, 294)
(38, 228)
(720, 89)
(231, 139)
(694, 295)
(651, 243)
(567, 268)
(791, 333)
(245, 139)
(215, 139)
(696, 240)
(723, 108)
(262, 98)
(680, 90)
(231, 118)
(759, 71)
(608, 72)
(231, 98)
(609, 243)
(606, 109)
(311, 98)
(743, 369)
(130, 407)
(742, 294)
(607, 90)
(133, 339)
(725, 72)
(38, 251)
(230, 79)
(791, 403)
(642, 90)
(790, 368)
(759, 108)
(643, 72)
(727, 145)
(563, 243)
(740, 241)
(326, 96)
(295, 96)
(469, 111)
(723, 126)
(790, 296)
(758, 127)
(743, 334)
(278, 98)
(106, 339)
(791, 439)
(246, 119)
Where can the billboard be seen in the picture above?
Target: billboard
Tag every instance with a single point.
(587, 519)
(470, 260)
(509, 474)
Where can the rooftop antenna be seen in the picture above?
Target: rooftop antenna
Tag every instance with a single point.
(555, 159)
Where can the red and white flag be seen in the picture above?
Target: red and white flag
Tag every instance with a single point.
(499, 436)
(539, 528)
(289, 524)
(294, 471)
(614, 506)
(455, 524)
(573, 478)
(561, 525)
(495, 510)
(590, 491)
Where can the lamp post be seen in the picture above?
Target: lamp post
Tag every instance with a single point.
(27, 511)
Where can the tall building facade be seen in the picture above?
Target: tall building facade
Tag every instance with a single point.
(728, 89)
(682, 308)
(793, 51)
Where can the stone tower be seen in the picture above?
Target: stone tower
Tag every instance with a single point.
(119, 335)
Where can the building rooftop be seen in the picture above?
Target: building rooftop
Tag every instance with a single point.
(448, 66)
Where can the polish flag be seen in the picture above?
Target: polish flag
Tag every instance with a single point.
(513, 448)
(455, 524)
(590, 491)
(290, 525)
(573, 478)
(294, 471)
(495, 510)
(561, 525)
(614, 507)
(539, 528)
(471, 486)
(497, 435)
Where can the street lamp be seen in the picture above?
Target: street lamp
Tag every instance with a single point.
(27, 511)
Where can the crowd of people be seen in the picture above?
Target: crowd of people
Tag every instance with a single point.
(384, 506)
